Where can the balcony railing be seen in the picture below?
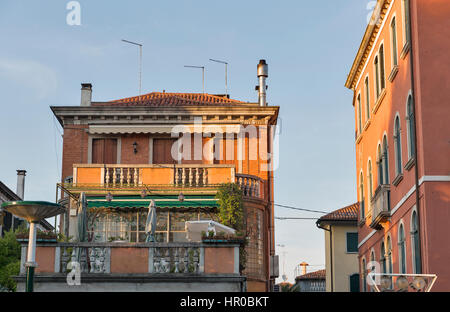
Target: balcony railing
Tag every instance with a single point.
(381, 202)
(252, 186)
(131, 176)
(138, 258)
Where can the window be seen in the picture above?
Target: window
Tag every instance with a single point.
(361, 191)
(383, 258)
(385, 157)
(364, 273)
(402, 249)
(352, 242)
(377, 76)
(406, 34)
(370, 190)
(382, 77)
(410, 127)
(380, 165)
(398, 146)
(367, 98)
(415, 243)
(389, 254)
(354, 282)
(359, 114)
(394, 43)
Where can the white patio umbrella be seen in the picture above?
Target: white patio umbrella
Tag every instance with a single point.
(150, 224)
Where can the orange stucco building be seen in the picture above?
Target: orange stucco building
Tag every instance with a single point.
(175, 149)
(401, 89)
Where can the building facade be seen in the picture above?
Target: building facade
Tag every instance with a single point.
(176, 149)
(341, 249)
(401, 89)
(311, 282)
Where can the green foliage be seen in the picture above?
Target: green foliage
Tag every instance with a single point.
(63, 238)
(9, 261)
(231, 207)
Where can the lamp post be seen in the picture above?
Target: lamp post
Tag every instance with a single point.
(33, 212)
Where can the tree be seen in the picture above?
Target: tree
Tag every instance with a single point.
(9, 261)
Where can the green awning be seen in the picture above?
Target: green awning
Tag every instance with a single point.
(162, 201)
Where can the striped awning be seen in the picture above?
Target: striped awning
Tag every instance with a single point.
(119, 129)
(163, 201)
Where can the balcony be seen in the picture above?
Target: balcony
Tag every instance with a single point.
(136, 267)
(381, 206)
(192, 178)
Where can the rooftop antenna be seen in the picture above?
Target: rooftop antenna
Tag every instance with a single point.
(140, 64)
(203, 74)
(226, 69)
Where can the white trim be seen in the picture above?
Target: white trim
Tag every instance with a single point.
(394, 16)
(434, 178)
(375, 42)
(404, 198)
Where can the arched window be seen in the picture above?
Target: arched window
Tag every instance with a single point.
(370, 177)
(377, 76)
(364, 275)
(394, 43)
(382, 77)
(359, 114)
(367, 98)
(383, 258)
(405, 21)
(361, 190)
(398, 146)
(410, 127)
(380, 165)
(415, 243)
(389, 254)
(402, 249)
(385, 161)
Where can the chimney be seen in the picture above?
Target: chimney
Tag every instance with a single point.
(304, 265)
(21, 183)
(86, 94)
(263, 73)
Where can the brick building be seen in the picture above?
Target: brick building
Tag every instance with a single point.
(401, 90)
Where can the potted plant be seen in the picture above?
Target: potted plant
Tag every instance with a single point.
(22, 235)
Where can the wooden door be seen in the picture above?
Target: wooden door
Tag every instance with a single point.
(104, 151)
(162, 151)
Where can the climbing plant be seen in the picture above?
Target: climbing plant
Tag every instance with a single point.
(231, 211)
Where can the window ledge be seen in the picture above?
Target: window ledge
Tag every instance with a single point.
(379, 100)
(405, 50)
(393, 73)
(398, 179)
(366, 125)
(410, 163)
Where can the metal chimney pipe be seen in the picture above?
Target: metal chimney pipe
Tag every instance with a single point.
(21, 183)
(263, 73)
(86, 94)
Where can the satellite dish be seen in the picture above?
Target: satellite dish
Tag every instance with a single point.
(284, 277)
(419, 283)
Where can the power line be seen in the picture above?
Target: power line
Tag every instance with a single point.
(301, 209)
(293, 218)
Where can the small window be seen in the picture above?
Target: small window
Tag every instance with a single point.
(352, 242)
(410, 127)
(382, 75)
(367, 98)
(398, 146)
(359, 115)
(394, 43)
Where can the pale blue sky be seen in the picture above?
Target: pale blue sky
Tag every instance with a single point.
(309, 46)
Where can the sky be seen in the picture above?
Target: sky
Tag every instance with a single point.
(309, 46)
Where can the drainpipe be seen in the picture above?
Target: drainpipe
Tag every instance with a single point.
(416, 166)
(331, 252)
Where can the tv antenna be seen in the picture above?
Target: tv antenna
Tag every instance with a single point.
(203, 74)
(140, 63)
(226, 74)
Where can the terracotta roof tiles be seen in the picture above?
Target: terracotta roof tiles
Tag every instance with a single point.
(320, 274)
(348, 213)
(172, 99)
